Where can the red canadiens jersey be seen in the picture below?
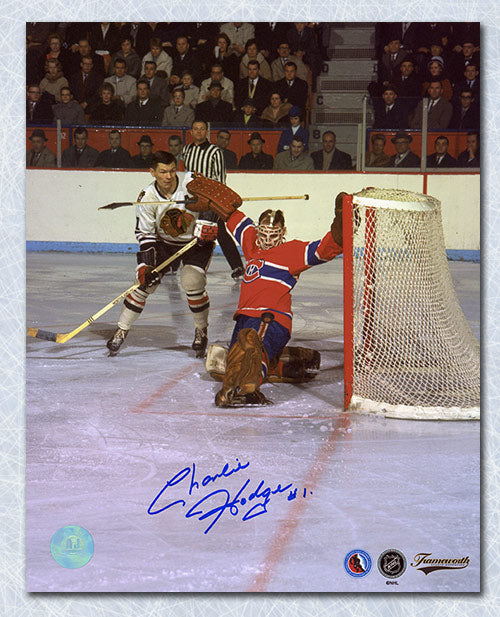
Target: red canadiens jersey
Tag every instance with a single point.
(270, 275)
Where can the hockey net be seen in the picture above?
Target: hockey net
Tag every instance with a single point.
(409, 351)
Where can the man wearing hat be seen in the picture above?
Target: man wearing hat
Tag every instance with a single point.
(39, 155)
(145, 110)
(294, 130)
(256, 159)
(246, 118)
(144, 160)
(214, 109)
(404, 157)
(178, 114)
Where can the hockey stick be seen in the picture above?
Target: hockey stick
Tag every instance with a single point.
(120, 204)
(62, 338)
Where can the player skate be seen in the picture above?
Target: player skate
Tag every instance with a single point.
(200, 342)
(116, 341)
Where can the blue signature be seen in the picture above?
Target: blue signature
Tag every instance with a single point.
(214, 504)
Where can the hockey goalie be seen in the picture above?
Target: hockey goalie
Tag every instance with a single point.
(258, 350)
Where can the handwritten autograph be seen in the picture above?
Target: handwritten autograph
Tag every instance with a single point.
(217, 502)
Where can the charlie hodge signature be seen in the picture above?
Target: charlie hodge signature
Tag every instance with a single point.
(214, 504)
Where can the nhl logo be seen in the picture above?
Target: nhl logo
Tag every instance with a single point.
(392, 563)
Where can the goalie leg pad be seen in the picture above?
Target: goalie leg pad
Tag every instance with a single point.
(243, 367)
(295, 365)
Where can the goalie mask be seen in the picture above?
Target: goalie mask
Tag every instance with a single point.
(271, 229)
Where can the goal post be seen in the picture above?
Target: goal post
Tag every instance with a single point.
(409, 351)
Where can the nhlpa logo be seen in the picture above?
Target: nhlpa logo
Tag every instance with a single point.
(252, 271)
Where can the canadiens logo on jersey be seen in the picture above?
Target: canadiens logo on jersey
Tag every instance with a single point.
(176, 222)
(252, 271)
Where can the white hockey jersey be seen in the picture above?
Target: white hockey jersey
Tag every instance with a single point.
(172, 223)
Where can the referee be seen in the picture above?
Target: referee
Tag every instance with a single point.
(207, 159)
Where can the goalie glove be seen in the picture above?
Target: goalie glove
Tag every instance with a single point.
(212, 195)
(205, 231)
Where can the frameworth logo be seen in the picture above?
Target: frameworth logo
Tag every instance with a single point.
(427, 564)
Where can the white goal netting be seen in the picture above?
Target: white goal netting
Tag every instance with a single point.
(414, 354)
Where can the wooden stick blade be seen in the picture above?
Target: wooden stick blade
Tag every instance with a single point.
(116, 204)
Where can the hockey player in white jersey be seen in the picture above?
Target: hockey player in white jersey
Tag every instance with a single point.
(161, 230)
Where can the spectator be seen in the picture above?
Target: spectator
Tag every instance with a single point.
(53, 81)
(275, 115)
(184, 59)
(157, 55)
(36, 39)
(295, 158)
(86, 83)
(440, 157)
(115, 157)
(109, 110)
(56, 51)
(39, 155)
(269, 36)
(145, 110)
(295, 129)
(84, 50)
(217, 74)
(105, 38)
(238, 33)
(191, 92)
(404, 157)
(125, 85)
(38, 107)
(470, 157)
(440, 110)
(252, 53)
(436, 72)
(144, 160)
(175, 146)
(377, 157)
(253, 87)
(230, 158)
(158, 86)
(466, 113)
(214, 109)
(388, 66)
(199, 35)
(246, 117)
(408, 85)
(224, 55)
(470, 81)
(68, 111)
(284, 56)
(329, 157)
(131, 57)
(389, 113)
(141, 34)
(80, 154)
(178, 114)
(256, 159)
(469, 54)
(292, 89)
(304, 45)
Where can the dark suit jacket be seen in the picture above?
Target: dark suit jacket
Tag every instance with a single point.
(396, 118)
(88, 93)
(448, 161)
(111, 41)
(150, 114)
(261, 95)
(463, 160)
(470, 120)
(42, 113)
(296, 94)
(188, 63)
(239, 121)
(87, 158)
(411, 160)
(230, 159)
(340, 160)
(261, 161)
(270, 39)
(221, 113)
(389, 70)
(120, 159)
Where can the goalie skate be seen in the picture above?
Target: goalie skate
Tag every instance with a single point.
(252, 399)
(116, 341)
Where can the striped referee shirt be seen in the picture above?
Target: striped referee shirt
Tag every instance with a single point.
(206, 159)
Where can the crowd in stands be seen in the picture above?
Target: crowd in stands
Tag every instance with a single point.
(247, 76)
